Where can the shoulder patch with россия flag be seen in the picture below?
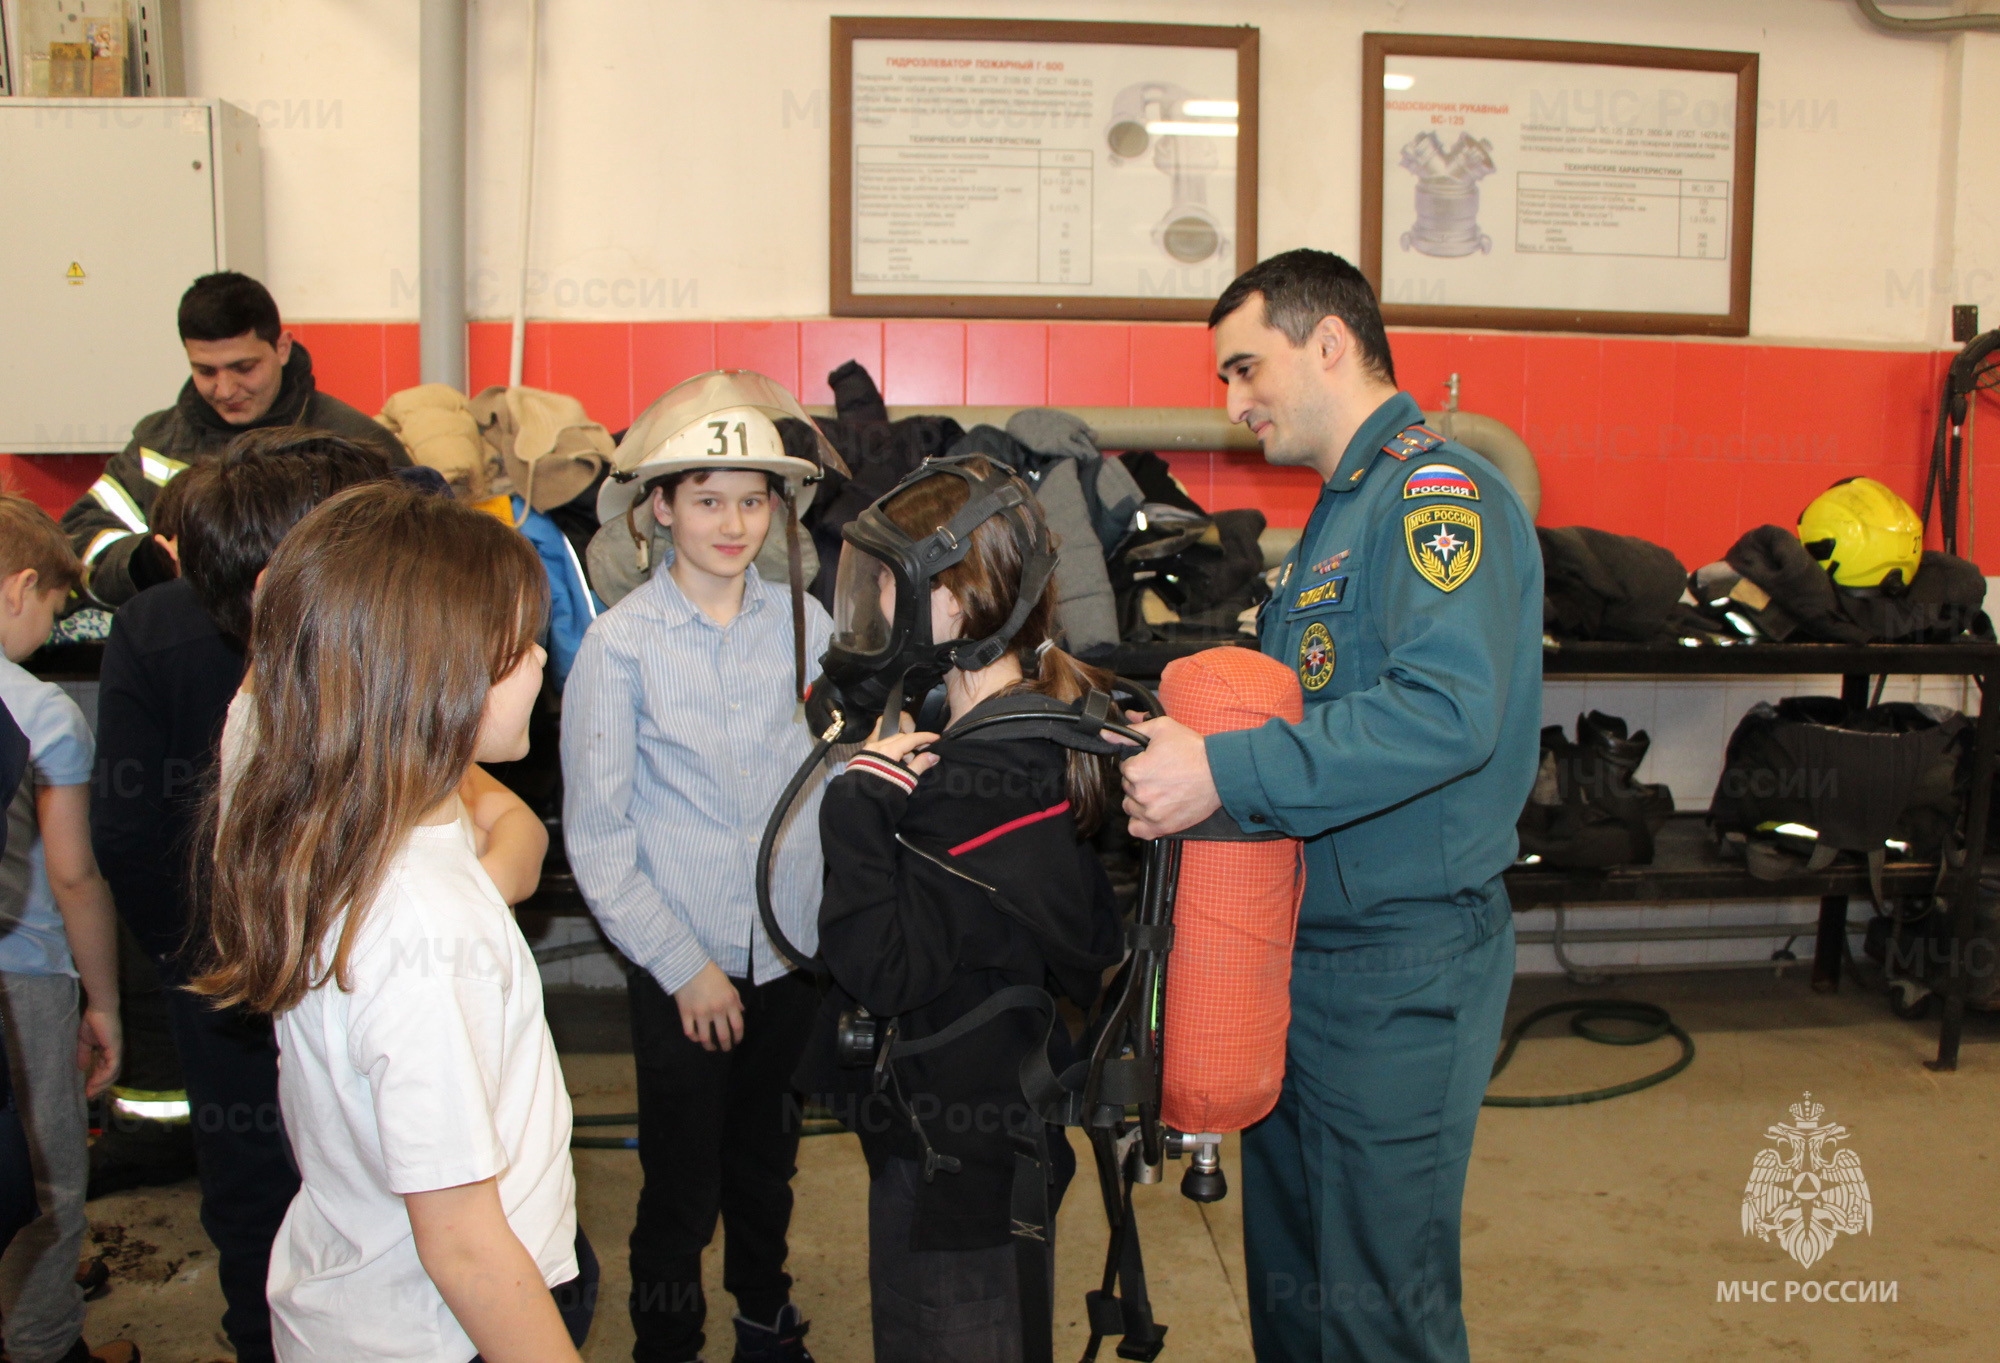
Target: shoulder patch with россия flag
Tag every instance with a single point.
(1440, 480)
(1443, 541)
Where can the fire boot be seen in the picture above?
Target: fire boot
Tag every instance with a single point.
(782, 1341)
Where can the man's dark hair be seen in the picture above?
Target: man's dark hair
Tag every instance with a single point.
(1300, 287)
(219, 306)
(237, 508)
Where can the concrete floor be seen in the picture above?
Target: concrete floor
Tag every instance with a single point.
(1591, 1232)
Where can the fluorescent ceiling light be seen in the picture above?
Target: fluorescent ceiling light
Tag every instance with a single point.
(1191, 129)
(1209, 108)
(1392, 81)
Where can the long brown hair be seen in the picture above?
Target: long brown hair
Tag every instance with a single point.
(383, 620)
(986, 583)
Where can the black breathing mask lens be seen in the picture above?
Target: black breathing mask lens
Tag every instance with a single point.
(864, 604)
(882, 648)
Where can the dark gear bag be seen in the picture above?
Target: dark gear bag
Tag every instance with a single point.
(1842, 778)
(1598, 585)
(1586, 810)
(1917, 947)
(1772, 557)
(1156, 481)
(1942, 603)
(1209, 582)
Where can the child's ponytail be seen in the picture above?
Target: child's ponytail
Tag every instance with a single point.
(1092, 778)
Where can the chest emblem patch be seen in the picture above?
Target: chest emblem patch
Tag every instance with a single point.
(1315, 657)
(1444, 544)
(1440, 480)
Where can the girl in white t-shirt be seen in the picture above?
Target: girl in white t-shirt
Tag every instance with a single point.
(394, 646)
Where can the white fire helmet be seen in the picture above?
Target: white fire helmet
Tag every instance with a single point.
(728, 419)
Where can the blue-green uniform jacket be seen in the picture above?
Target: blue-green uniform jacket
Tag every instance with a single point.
(1412, 609)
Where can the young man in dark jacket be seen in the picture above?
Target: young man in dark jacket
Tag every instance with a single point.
(247, 372)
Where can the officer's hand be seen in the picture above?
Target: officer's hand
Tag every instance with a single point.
(1169, 787)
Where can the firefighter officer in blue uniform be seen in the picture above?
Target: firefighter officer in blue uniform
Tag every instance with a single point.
(1412, 609)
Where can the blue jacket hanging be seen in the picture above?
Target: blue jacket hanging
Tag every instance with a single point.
(572, 605)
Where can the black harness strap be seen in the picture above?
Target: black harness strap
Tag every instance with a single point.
(1034, 1235)
(1029, 1221)
(1094, 1094)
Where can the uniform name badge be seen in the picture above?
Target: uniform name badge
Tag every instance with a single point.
(1315, 657)
(1444, 544)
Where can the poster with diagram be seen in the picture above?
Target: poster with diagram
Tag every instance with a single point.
(1558, 185)
(1040, 169)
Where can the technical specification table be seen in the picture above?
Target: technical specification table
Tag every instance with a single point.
(1621, 215)
(972, 215)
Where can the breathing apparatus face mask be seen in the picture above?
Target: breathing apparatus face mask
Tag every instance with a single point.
(883, 656)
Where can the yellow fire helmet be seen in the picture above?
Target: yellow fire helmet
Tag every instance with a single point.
(1864, 534)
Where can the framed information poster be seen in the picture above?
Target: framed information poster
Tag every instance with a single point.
(1000, 168)
(1557, 186)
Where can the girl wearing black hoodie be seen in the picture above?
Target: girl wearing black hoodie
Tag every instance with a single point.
(906, 933)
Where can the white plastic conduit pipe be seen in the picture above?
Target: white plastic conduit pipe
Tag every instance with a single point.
(1209, 428)
(531, 63)
(441, 192)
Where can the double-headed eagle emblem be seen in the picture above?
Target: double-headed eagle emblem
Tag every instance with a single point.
(1805, 1192)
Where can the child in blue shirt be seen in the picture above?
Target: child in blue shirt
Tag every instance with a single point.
(56, 931)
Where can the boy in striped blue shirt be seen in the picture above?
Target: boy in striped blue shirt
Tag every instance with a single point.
(681, 726)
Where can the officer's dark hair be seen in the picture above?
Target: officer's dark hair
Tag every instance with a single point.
(1299, 288)
(237, 507)
(219, 306)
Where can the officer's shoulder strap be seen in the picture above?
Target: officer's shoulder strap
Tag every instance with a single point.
(1412, 441)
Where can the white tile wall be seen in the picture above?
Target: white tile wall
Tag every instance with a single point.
(1539, 958)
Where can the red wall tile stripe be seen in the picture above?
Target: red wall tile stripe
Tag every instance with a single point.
(1686, 443)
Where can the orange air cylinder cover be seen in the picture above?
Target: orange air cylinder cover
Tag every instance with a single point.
(1228, 995)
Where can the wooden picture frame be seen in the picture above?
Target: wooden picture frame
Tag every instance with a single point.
(1082, 180)
(1576, 208)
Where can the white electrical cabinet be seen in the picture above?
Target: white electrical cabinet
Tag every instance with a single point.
(113, 207)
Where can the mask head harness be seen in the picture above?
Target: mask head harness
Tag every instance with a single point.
(882, 650)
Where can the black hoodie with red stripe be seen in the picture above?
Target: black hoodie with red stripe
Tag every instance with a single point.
(905, 938)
